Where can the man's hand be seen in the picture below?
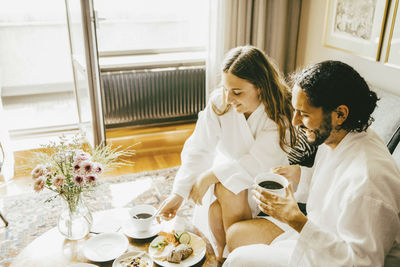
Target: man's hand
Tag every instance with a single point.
(201, 186)
(284, 209)
(291, 172)
(169, 207)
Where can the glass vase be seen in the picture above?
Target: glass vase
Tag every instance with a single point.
(75, 220)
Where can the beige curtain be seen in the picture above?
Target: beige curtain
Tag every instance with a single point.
(271, 25)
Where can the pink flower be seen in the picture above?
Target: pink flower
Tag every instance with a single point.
(90, 179)
(48, 168)
(98, 168)
(58, 181)
(82, 156)
(78, 179)
(87, 167)
(39, 184)
(48, 175)
(76, 167)
(38, 171)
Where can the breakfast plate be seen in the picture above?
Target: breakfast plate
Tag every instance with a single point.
(159, 256)
(105, 247)
(82, 264)
(140, 258)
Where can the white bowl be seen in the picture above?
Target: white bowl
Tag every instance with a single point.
(133, 254)
(145, 223)
(268, 176)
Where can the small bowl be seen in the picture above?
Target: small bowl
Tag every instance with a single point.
(133, 254)
(142, 224)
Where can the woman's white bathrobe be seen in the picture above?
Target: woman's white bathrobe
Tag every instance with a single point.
(233, 148)
(353, 211)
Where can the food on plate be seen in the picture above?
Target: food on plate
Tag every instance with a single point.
(134, 261)
(173, 247)
(184, 238)
(180, 253)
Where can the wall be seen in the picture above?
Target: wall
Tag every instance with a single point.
(311, 50)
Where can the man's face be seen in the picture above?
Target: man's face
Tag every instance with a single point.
(312, 120)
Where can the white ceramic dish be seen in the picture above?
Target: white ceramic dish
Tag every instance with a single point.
(105, 247)
(129, 229)
(82, 264)
(133, 254)
(199, 251)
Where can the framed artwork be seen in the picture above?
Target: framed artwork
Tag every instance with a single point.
(356, 26)
(393, 50)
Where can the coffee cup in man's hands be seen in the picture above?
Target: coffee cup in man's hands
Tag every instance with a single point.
(273, 183)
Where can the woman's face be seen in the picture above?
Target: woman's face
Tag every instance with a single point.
(241, 94)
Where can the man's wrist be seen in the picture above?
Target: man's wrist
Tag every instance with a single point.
(298, 222)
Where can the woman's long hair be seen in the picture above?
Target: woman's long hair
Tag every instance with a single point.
(251, 64)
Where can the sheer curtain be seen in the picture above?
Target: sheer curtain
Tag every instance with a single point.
(271, 25)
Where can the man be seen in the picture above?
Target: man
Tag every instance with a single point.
(352, 192)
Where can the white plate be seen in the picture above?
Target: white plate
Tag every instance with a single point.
(105, 247)
(81, 264)
(129, 229)
(134, 254)
(199, 250)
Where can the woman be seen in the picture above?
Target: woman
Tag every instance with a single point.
(244, 130)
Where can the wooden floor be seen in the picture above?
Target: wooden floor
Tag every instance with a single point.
(156, 147)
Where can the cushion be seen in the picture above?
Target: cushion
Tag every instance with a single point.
(386, 115)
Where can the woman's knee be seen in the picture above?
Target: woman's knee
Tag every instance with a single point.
(235, 235)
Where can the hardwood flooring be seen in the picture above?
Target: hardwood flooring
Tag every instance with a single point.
(157, 147)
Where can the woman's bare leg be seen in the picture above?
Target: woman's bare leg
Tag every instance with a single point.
(255, 231)
(234, 208)
(217, 227)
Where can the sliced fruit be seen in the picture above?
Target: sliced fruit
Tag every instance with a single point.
(184, 238)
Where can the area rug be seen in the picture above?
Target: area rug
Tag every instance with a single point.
(29, 217)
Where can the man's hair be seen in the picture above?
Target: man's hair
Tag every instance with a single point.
(330, 84)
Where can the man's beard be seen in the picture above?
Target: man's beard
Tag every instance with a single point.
(323, 132)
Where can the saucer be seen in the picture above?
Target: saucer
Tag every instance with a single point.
(105, 247)
(132, 232)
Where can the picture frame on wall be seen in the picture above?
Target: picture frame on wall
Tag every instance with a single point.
(393, 50)
(356, 26)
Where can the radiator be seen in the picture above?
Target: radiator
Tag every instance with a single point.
(140, 97)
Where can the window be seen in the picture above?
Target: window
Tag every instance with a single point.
(126, 25)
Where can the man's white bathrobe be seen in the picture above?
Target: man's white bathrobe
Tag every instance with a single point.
(353, 211)
(233, 148)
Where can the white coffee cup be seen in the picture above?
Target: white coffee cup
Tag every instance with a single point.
(273, 178)
(142, 217)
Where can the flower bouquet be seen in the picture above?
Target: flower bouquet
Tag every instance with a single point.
(68, 168)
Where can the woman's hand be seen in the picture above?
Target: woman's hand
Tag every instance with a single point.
(291, 172)
(168, 208)
(284, 209)
(201, 186)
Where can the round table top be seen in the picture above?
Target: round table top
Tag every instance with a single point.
(52, 249)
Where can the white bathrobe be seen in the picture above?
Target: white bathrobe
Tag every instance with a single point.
(235, 149)
(353, 211)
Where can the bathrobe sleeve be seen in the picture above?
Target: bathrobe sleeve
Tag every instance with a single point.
(303, 187)
(357, 242)
(265, 153)
(198, 152)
